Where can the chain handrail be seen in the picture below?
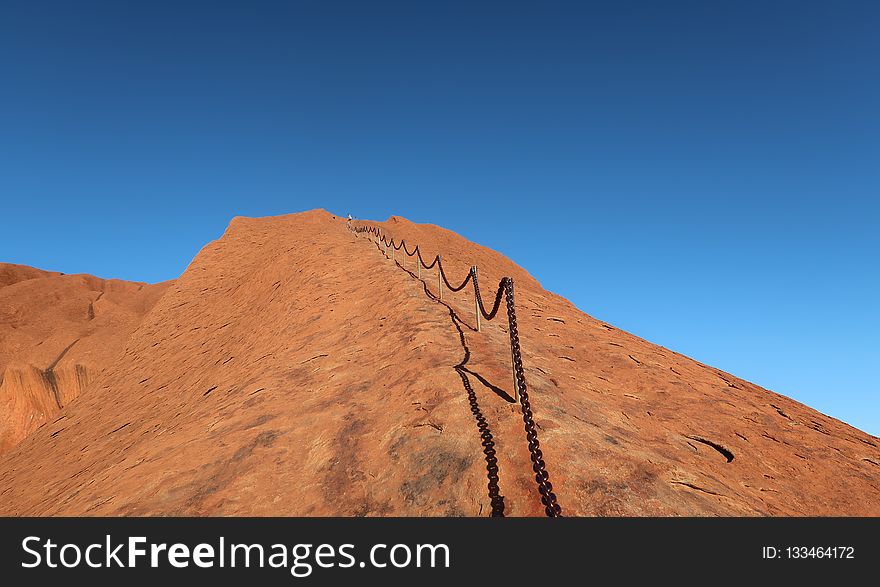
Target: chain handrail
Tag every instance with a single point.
(495, 306)
(505, 288)
(463, 283)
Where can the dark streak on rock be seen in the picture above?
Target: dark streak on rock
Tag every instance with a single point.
(723, 450)
(437, 427)
(780, 412)
(697, 487)
(48, 374)
(118, 429)
(727, 381)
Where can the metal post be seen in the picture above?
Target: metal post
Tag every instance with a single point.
(439, 279)
(476, 302)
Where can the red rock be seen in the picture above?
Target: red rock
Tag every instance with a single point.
(57, 332)
(293, 370)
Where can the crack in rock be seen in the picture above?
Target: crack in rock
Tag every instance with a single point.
(728, 454)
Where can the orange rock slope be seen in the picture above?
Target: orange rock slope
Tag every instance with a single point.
(294, 370)
(57, 332)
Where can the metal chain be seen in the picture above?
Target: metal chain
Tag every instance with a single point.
(463, 283)
(434, 262)
(548, 498)
(495, 306)
(505, 286)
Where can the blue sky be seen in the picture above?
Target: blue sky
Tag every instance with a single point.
(703, 174)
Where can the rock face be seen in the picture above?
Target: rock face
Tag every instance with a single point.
(57, 332)
(294, 370)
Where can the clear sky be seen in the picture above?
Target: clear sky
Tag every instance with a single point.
(703, 174)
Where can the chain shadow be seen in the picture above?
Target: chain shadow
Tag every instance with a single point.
(489, 385)
(486, 383)
(487, 440)
(495, 497)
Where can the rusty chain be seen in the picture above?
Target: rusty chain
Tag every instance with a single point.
(505, 287)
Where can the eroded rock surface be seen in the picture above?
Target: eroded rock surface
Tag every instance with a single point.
(293, 370)
(57, 332)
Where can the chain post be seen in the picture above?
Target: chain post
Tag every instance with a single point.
(439, 278)
(476, 303)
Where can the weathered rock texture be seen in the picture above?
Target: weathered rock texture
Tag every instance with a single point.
(293, 370)
(57, 332)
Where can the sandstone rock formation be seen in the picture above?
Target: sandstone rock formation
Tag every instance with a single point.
(294, 370)
(57, 332)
